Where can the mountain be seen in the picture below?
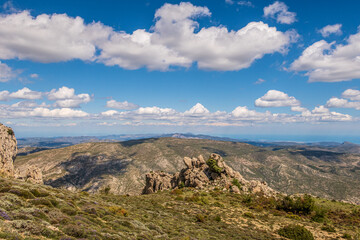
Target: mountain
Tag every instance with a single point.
(122, 165)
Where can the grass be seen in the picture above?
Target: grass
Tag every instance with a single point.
(186, 213)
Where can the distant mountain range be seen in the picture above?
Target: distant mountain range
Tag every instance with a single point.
(56, 142)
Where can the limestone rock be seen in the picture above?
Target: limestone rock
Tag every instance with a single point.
(198, 174)
(8, 151)
(34, 175)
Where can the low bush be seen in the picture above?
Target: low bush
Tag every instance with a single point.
(200, 218)
(299, 205)
(213, 166)
(296, 232)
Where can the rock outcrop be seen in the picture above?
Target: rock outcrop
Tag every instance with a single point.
(201, 174)
(8, 151)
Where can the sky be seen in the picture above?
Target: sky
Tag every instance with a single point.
(250, 69)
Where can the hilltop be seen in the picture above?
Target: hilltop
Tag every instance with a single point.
(122, 165)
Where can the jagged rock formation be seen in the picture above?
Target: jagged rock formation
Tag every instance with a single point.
(204, 174)
(8, 151)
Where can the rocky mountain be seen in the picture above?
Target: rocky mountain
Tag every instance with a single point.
(122, 166)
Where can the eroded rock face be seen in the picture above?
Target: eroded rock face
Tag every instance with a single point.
(8, 151)
(201, 174)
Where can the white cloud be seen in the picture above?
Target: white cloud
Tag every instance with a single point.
(174, 41)
(34, 75)
(121, 105)
(48, 38)
(109, 113)
(245, 3)
(351, 94)
(245, 113)
(197, 109)
(260, 81)
(154, 111)
(209, 47)
(4, 95)
(279, 11)
(26, 93)
(57, 113)
(6, 73)
(298, 109)
(229, 1)
(328, 62)
(274, 98)
(331, 29)
(342, 103)
(66, 98)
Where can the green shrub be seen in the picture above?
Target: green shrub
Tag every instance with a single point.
(249, 215)
(328, 228)
(213, 166)
(200, 218)
(347, 236)
(74, 231)
(296, 232)
(107, 190)
(217, 218)
(21, 193)
(41, 201)
(39, 193)
(320, 215)
(236, 182)
(299, 205)
(181, 185)
(10, 132)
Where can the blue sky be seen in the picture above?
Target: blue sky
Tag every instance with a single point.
(241, 68)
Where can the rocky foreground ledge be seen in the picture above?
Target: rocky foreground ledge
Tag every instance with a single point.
(201, 174)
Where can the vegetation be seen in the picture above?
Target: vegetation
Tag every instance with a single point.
(213, 166)
(296, 232)
(10, 132)
(29, 211)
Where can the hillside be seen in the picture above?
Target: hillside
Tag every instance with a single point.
(31, 211)
(122, 165)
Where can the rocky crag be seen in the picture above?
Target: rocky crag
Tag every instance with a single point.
(201, 174)
(8, 151)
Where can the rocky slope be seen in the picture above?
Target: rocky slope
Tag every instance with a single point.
(32, 211)
(122, 166)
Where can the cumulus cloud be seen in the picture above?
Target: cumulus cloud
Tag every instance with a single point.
(210, 47)
(6, 73)
(330, 62)
(331, 29)
(279, 11)
(342, 103)
(197, 109)
(66, 98)
(48, 38)
(274, 98)
(174, 41)
(121, 105)
(57, 113)
(351, 94)
(4, 95)
(26, 93)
